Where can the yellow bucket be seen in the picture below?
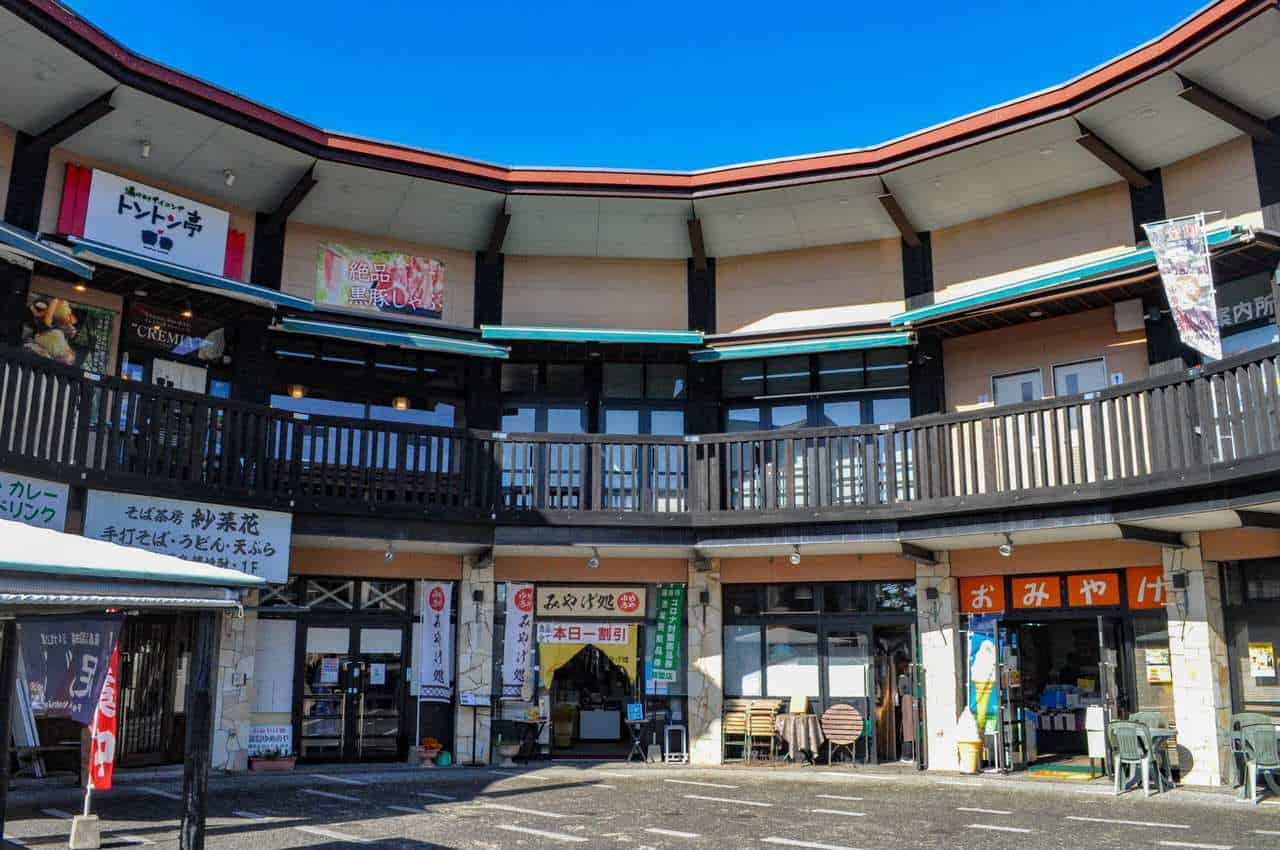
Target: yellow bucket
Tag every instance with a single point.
(970, 754)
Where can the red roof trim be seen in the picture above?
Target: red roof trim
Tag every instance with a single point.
(1193, 34)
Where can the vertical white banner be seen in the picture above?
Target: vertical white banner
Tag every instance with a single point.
(435, 681)
(517, 650)
(1181, 250)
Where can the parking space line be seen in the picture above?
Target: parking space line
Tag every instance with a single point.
(701, 784)
(1266, 832)
(519, 811)
(982, 811)
(672, 833)
(9, 839)
(602, 785)
(57, 813)
(346, 798)
(1130, 822)
(159, 792)
(858, 775)
(1196, 846)
(240, 813)
(407, 809)
(542, 833)
(513, 775)
(333, 834)
(997, 828)
(837, 812)
(729, 801)
(791, 842)
(838, 797)
(432, 796)
(325, 777)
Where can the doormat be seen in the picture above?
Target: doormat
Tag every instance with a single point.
(1064, 770)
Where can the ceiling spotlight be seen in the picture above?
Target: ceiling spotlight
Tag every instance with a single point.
(1035, 314)
(146, 149)
(140, 293)
(390, 554)
(400, 402)
(795, 555)
(1006, 548)
(187, 313)
(228, 177)
(593, 563)
(297, 391)
(80, 287)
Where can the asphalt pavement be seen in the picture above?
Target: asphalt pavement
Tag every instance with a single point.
(644, 806)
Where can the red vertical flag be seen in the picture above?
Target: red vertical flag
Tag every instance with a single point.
(102, 757)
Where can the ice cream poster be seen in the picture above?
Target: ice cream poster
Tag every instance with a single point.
(983, 693)
(1182, 255)
(1262, 660)
(379, 282)
(70, 333)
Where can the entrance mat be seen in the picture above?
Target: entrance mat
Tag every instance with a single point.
(1062, 770)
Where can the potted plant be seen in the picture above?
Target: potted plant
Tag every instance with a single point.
(428, 750)
(269, 760)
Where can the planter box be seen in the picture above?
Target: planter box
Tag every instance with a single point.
(257, 765)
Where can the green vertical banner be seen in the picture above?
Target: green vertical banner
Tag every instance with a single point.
(666, 645)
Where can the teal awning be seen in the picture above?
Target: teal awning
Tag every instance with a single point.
(396, 338)
(174, 273)
(602, 335)
(1126, 263)
(14, 241)
(900, 339)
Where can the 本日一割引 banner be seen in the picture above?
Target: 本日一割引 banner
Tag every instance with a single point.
(1182, 255)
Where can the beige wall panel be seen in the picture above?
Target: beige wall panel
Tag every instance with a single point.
(241, 219)
(1221, 179)
(1055, 558)
(970, 362)
(811, 287)
(302, 252)
(816, 568)
(610, 571)
(594, 292)
(6, 161)
(1240, 544)
(1031, 241)
(369, 563)
(92, 297)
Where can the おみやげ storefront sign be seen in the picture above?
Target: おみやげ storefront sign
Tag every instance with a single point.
(1093, 590)
(591, 601)
(1146, 588)
(252, 541)
(1036, 592)
(33, 501)
(386, 282)
(982, 595)
(155, 223)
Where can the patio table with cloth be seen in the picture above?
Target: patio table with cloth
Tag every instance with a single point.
(801, 732)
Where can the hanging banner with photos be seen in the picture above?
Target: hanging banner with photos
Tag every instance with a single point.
(1182, 255)
(668, 638)
(66, 661)
(436, 681)
(517, 656)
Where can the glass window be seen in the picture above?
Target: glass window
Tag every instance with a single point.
(896, 596)
(1087, 376)
(1151, 665)
(1018, 387)
(622, 421)
(841, 413)
(664, 381)
(565, 379)
(666, 423)
(845, 598)
(789, 416)
(790, 599)
(892, 409)
(887, 367)
(841, 370)
(318, 406)
(1262, 582)
(742, 419)
(742, 599)
(742, 675)
(742, 378)
(792, 668)
(519, 377)
(624, 380)
(787, 375)
(566, 420)
(848, 664)
(519, 420)
(437, 414)
(219, 388)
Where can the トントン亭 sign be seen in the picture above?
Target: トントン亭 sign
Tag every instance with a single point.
(591, 601)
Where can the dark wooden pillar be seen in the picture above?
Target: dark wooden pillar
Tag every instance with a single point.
(1266, 164)
(252, 366)
(200, 696)
(926, 384)
(917, 271)
(703, 415)
(484, 381)
(8, 678)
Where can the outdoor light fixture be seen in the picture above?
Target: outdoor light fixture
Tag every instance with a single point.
(146, 149)
(390, 554)
(400, 402)
(140, 293)
(1006, 548)
(186, 311)
(593, 563)
(297, 391)
(228, 177)
(80, 287)
(1179, 581)
(795, 555)
(477, 596)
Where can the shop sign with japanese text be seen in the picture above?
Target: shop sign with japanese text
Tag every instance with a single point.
(586, 601)
(1034, 592)
(386, 282)
(155, 223)
(1146, 587)
(33, 501)
(599, 633)
(436, 608)
(982, 595)
(517, 654)
(66, 660)
(250, 540)
(668, 638)
(1091, 590)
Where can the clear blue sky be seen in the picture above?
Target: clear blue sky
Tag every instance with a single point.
(658, 85)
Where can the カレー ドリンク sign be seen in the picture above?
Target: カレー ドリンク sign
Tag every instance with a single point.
(591, 601)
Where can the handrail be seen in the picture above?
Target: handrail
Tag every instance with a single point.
(61, 422)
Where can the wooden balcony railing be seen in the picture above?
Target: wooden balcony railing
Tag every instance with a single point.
(1158, 433)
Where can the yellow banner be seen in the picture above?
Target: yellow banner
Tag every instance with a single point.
(553, 656)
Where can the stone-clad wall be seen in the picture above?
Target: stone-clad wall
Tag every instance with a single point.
(475, 658)
(233, 703)
(706, 664)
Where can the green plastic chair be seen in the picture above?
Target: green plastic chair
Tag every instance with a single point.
(1238, 721)
(1131, 747)
(1150, 719)
(1261, 756)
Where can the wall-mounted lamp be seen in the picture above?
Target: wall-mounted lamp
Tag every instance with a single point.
(795, 555)
(187, 312)
(1178, 580)
(400, 402)
(931, 594)
(477, 595)
(80, 287)
(1006, 548)
(228, 177)
(297, 391)
(593, 563)
(146, 149)
(390, 554)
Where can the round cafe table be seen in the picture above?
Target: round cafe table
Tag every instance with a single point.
(801, 733)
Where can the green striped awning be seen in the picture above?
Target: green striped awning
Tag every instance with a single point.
(394, 338)
(899, 339)
(1126, 263)
(602, 335)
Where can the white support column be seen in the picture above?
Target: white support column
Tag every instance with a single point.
(706, 663)
(475, 659)
(940, 649)
(1198, 654)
